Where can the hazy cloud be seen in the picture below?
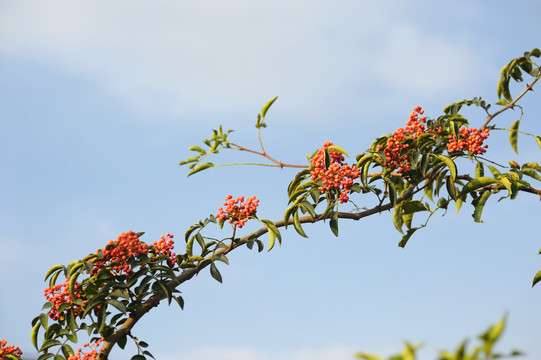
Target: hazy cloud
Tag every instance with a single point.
(173, 59)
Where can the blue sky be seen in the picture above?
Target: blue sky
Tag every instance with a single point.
(99, 101)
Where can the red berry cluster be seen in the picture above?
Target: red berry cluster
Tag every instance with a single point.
(415, 126)
(9, 349)
(164, 247)
(116, 253)
(470, 140)
(238, 211)
(337, 176)
(92, 355)
(59, 294)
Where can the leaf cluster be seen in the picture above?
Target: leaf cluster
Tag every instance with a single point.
(483, 351)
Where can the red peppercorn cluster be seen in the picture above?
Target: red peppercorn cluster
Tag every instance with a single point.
(238, 211)
(92, 355)
(164, 247)
(9, 349)
(470, 140)
(116, 253)
(415, 126)
(59, 294)
(337, 176)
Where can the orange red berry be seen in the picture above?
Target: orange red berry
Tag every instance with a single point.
(92, 355)
(337, 176)
(470, 140)
(164, 247)
(58, 295)
(8, 349)
(116, 253)
(238, 211)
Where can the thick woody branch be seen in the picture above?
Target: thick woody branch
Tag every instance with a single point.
(187, 274)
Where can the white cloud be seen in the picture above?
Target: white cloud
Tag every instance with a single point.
(334, 353)
(166, 58)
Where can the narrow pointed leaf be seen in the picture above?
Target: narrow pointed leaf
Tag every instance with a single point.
(333, 223)
(215, 273)
(118, 304)
(397, 218)
(537, 278)
(201, 167)
(267, 106)
(477, 184)
(338, 149)
(479, 204)
(297, 225)
(392, 192)
(406, 237)
(450, 164)
(513, 135)
(34, 334)
(52, 270)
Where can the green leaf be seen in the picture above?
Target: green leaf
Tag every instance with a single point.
(333, 223)
(34, 335)
(52, 270)
(49, 343)
(495, 331)
(407, 218)
(138, 357)
(450, 186)
(392, 192)
(513, 135)
(67, 350)
(502, 102)
(476, 184)
(273, 233)
(190, 231)
(536, 278)
(479, 170)
(198, 149)
(367, 356)
(201, 167)
(338, 149)
(267, 106)
(297, 225)
(532, 173)
(72, 325)
(450, 164)
(45, 356)
(180, 301)
(538, 139)
(118, 304)
(309, 207)
(363, 160)
(215, 273)
(122, 342)
(397, 218)
(71, 284)
(52, 280)
(406, 237)
(43, 319)
(412, 206)
(327, 158)
(293, 209)
(165, 288)
(272, 239)
(479, 204)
